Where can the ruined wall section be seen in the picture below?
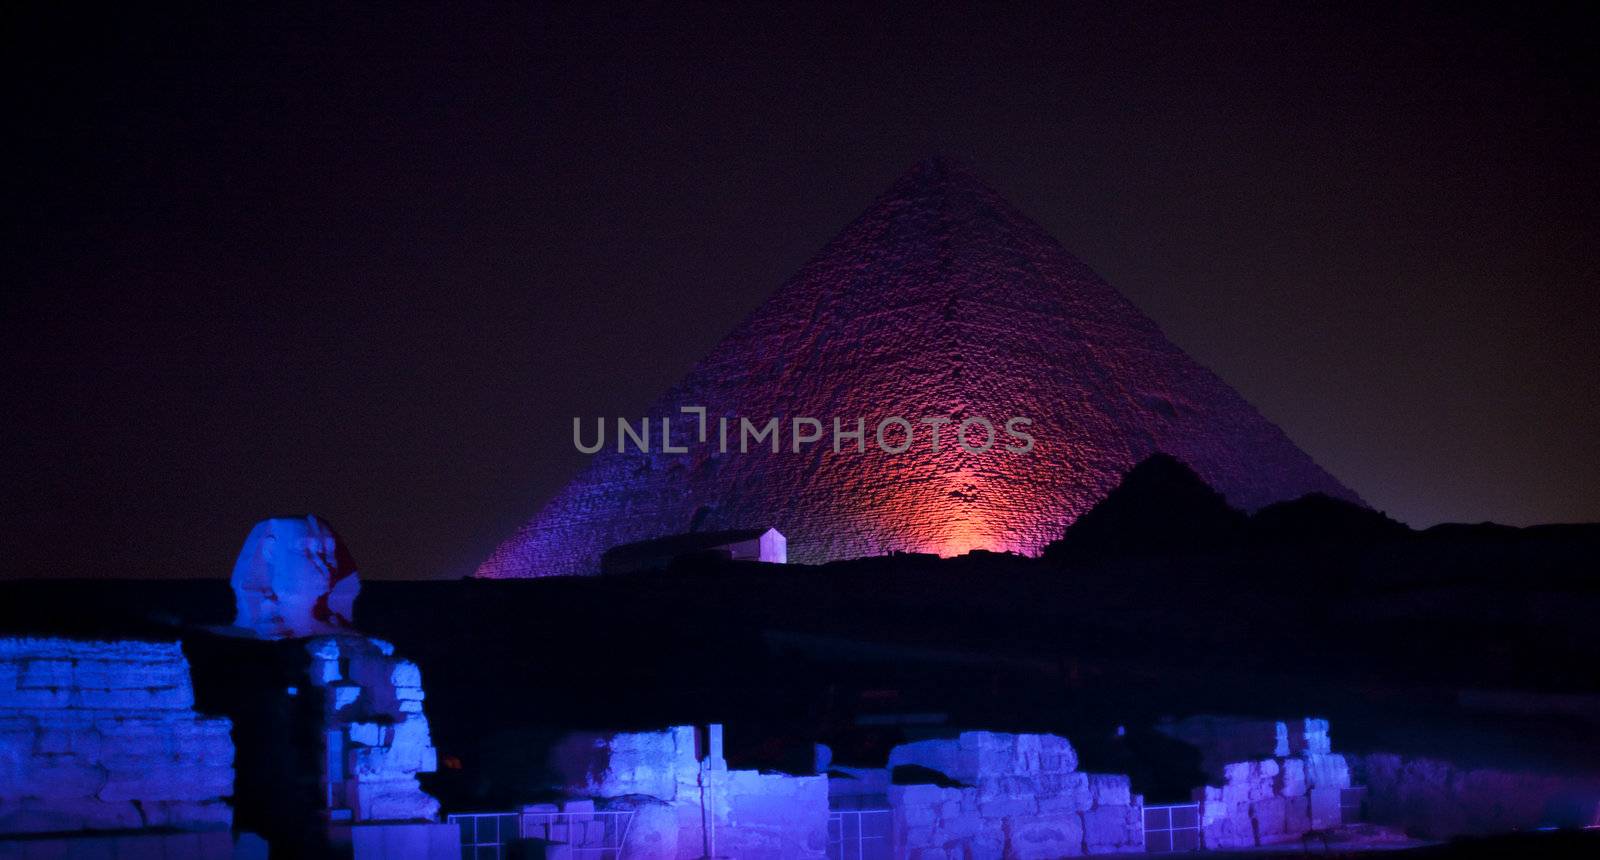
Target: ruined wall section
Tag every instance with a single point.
(375, 730)
(687, 803)
(1017, 797)
(103, 735)
(1289, 783)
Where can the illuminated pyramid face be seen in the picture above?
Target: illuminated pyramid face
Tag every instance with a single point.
(940, 301)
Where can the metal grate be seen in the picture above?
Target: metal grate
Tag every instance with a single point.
(582, 835)
(1174, 827)
(859, 834)
(486, 835)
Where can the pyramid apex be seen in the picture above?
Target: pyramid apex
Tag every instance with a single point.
(941, 169)
(940, 301)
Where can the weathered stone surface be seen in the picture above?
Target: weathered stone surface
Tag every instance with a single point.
(293, 578)
(1266, 801)
(990, 755)
(1044, 837)
(940, 300)
(657, 773)
(1113, 829)
(101, 735)
(382, 745)
(1327, 771)
(1024, 800)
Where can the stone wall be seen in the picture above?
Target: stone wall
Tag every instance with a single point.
(376, 733)
(1436, 799)
(686, 801)
(103, 735)
(1290, 784)
(1010, 797)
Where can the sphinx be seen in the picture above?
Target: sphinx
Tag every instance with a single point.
(294, 578)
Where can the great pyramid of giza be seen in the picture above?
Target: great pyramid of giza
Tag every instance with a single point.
(941, 300)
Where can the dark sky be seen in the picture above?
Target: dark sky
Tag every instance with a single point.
(370, 264)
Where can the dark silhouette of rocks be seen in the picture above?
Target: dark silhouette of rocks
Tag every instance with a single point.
(1319, 520)
(1160, 507)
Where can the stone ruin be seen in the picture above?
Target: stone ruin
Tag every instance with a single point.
(1280, 780)
(294, 577)
(1017, 797)
(684, 800)
(376, 733)
(104, 736)
(992, 795)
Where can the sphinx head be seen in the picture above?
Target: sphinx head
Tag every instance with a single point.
(294, 577)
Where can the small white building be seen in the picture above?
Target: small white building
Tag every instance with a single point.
(764, 545)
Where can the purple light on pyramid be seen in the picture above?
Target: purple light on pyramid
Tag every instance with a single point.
(941, 300)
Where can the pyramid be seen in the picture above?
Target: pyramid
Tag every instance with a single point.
(941, 300)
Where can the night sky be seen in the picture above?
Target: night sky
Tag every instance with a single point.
(371, 264)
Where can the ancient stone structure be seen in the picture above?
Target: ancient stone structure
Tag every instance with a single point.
(1281, 780)
(1017, 797)
(687, 803)
(103, 736)
(376, 733)
(942, 302)
(294, 577)
(1000, 796)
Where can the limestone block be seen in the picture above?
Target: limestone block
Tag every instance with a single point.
(1045, 837)
(393, 800)
(1068, 791)
(44, 674)
(905, 796)
(1232, 828)
(956, 759)
(368, 734)
(406, 674)
(344, 696)
(75, 737)
(39, 815)
(56, 778)
(154, 698)
(1270, 818)
(1003, 787)
(1291, 778)
(985, 848)
(1112, 829)
(1008, 807)
(1327, 771)
(1309, 735)
(167, 781)
(1297, 814)
(1110, 789)
(37, 698)
(189, 815)
(1325, 808)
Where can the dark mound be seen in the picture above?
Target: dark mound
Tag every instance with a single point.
(1161, 507)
